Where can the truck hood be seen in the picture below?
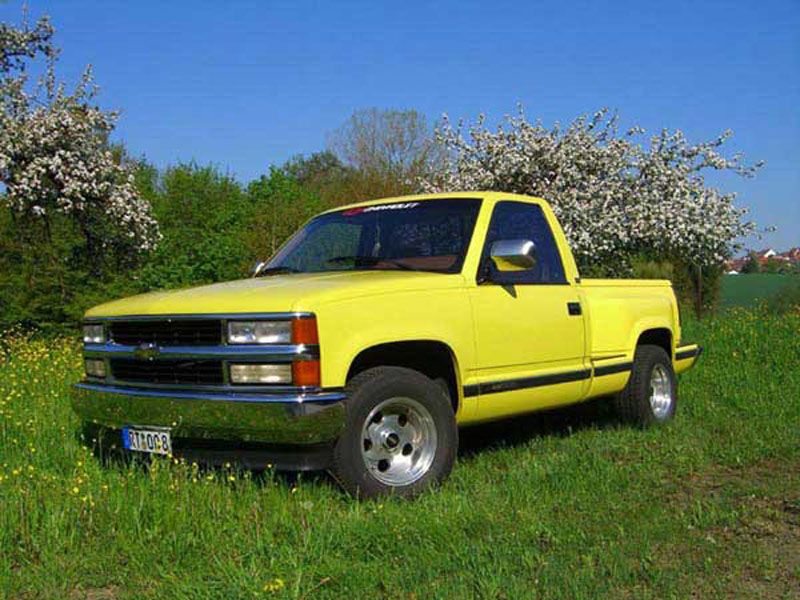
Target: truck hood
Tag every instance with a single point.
(277, 293)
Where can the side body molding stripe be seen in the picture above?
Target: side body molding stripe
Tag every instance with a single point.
(684, 354)
(509, 385)
(611, 369)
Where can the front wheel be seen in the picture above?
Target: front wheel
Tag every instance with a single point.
(400, 435)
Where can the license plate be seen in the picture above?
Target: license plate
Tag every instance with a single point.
(152, 441)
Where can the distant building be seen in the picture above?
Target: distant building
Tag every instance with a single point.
(793, 255)
(735, 265)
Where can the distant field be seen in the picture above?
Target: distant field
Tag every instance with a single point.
(747, 290)
(568, 504)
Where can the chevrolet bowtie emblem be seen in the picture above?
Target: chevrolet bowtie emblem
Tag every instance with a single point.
(147, 351)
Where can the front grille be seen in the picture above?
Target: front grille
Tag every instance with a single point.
(193, 372)
(189, 332)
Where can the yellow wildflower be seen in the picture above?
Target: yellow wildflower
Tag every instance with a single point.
(275, 585)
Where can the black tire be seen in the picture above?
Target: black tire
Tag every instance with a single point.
(633, 404)
(366, 392)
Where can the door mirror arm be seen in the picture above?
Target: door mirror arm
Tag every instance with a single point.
(485, 272)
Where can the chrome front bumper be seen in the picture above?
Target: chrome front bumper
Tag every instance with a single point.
(285, 418)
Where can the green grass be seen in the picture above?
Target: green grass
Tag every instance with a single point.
(562, 505)
(747, 290)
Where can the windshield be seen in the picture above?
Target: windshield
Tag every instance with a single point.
(419, 236)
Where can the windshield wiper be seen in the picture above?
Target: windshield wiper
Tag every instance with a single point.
(276, 271)
(366, 261)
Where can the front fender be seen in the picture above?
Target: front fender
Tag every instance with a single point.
(349, 327)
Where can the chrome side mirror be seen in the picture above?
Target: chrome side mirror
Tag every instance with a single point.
(256, 269)
(513, 255)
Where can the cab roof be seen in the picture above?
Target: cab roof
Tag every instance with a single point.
(465, 195)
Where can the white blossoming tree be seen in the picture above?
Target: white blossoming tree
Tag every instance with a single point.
(615, 197)
(55, 160)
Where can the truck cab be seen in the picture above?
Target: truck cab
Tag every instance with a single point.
(372, 335)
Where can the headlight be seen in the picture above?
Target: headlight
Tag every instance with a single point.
(259, 332)
(94, 334)
(250, 373)
(95, 368)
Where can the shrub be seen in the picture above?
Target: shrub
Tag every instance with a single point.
(696, 288)
(203, 215)
(644, 268)
(751, 265)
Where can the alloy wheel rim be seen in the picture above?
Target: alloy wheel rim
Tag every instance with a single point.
(660, 392)
(398, 441)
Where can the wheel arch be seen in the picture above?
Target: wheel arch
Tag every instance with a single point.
(657, 336)
(433, 358)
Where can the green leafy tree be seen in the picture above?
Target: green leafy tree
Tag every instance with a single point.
(751, 265)
(772, 266)
(203, 216)
(281, 204)
(317, 170)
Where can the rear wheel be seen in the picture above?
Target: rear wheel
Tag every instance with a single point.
(651, 396)
(400, 435)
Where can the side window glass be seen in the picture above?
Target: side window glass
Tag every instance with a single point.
(520, 220)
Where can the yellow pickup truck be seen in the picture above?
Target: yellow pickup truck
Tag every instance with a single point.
(375, 332)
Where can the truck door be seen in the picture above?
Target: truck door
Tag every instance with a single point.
(529, 323)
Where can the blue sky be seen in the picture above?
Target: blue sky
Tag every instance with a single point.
(247, 84)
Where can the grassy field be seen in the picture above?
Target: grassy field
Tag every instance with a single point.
(748, 290)
(563, 505)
